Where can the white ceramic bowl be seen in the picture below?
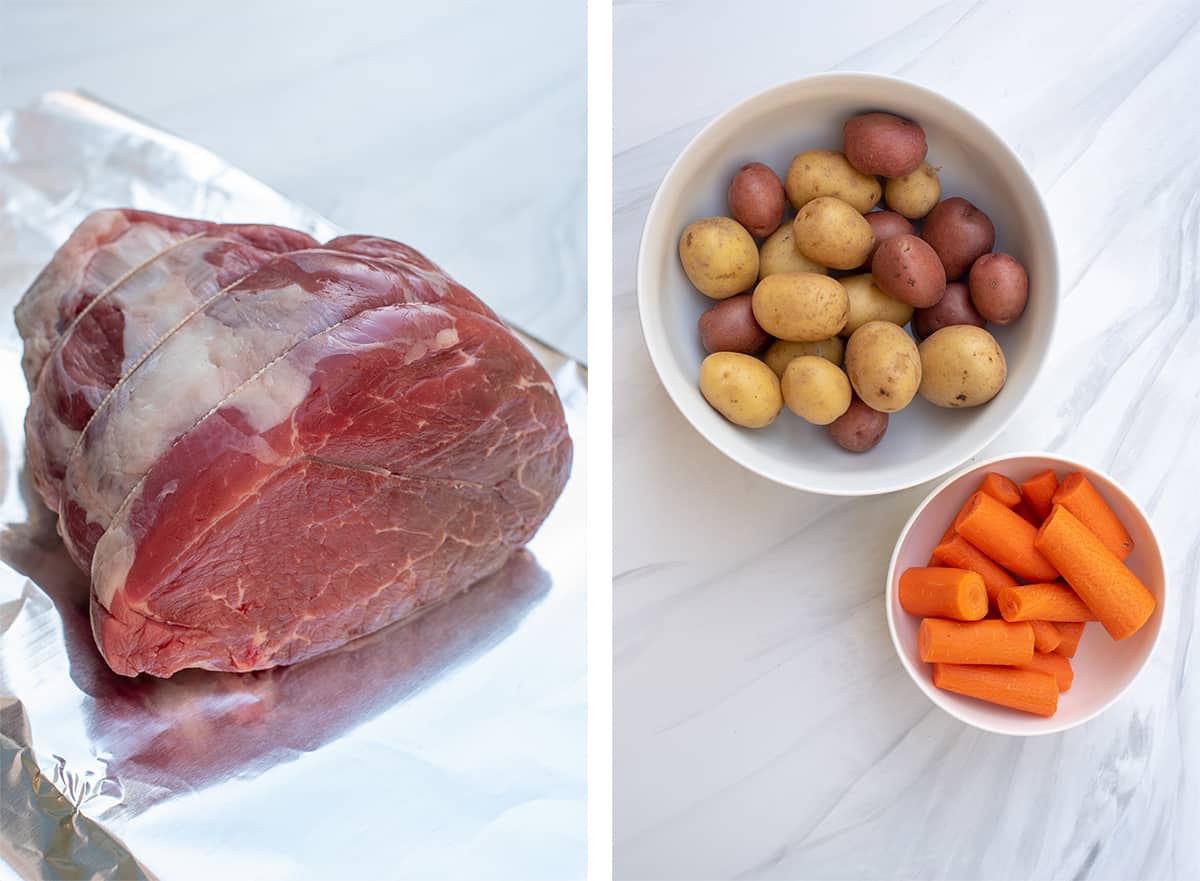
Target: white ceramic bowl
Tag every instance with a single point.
(1104, 668)
(922, 441)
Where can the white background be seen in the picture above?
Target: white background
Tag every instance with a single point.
(457, 127)
(763, 725)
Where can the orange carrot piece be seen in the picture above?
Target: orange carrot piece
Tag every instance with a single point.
(1045, 636)
(1071, 632)
(1054, 664)
(953, 527)
(974, 642)
(958, 553)
(1001, 489)
(1115, 595)
(938, 592)
(1038, 492)
(1025, 690)
(1077, 494)
(1043, 602)
(1005, 537)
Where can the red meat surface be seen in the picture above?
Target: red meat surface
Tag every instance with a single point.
(260, 447)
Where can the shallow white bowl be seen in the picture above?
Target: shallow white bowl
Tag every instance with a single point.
(1104, 668)
(922, 441)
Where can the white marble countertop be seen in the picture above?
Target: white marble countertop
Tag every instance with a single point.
(476, 158)
(764, 727)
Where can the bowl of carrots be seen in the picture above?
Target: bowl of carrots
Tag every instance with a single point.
(1026, 593)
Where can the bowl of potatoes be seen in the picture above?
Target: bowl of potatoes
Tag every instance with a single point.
(848, 284)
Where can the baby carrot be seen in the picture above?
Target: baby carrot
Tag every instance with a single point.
(1077, 494)
(974, 642)
(1115, 595)
(961, 554)
(1071, 632)
(1001, 489)
(953, 527)
(1042, 602)
(939, 592)
(1054, 664)
(1005, 537)
(1025, 690)
(1038, 491)
(1045, 636)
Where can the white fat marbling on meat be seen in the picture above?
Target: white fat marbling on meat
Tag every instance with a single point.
(39, 310)
(272, 396)
(155, 300)
(190, 373)
(111, 564)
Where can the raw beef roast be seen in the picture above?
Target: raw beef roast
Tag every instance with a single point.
(261, 447)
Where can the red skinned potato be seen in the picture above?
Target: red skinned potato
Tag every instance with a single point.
(756, 199)
(908, 269)
(999, 287)
(860, 428)
(880, 143)
(954, 307)
(729, 326)
(960, 234)
(886, 225)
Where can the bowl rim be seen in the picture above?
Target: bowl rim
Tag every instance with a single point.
(660, 357)
(936, 697)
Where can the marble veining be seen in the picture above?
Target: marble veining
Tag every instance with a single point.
(763, 725)
(407, 120)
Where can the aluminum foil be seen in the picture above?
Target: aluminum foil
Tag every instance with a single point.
(448, 746)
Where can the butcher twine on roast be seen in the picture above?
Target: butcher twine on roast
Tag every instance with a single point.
(261, 447)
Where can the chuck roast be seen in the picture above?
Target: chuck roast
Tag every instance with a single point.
(262, 447)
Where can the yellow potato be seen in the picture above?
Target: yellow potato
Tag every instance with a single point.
(883, 365)
(741, 388)
(915, 194)
(833, 233)
(719, 257)
(828, 173)
(800, 306)
(961, 366)
(782, 352)
(815, 390)
(869, 303)
(779, 254)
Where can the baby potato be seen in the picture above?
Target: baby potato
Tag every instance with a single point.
(999, 287)
(869, 303)
(886, 225)
(884, 144)
(960, 233)
(906, 268)
(953, 308)
(741, 388)
(915, 193)
(729, 326)
(815, 390)
(780, 254)
(800, 306)
(781, 352)
(719, 257)
(883, 365)
(756, 199)
(860, 428)
(833, 233)
(961, 366)
(828, 173)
